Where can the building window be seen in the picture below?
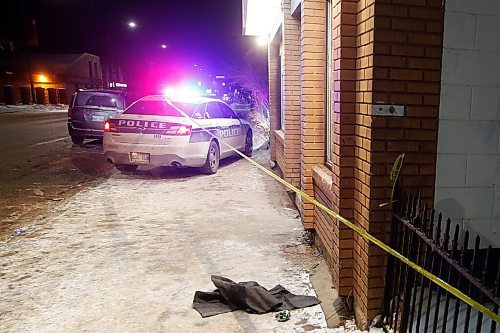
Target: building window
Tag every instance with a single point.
(329, 128)
(90, 69)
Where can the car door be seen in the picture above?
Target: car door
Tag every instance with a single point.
(234, 132)
(219, 125)
(203, 124)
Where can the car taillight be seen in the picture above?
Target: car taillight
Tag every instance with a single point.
(70, 113)
(106, 126)
(183, 130)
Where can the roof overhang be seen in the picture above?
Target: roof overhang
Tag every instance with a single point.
(260, 16)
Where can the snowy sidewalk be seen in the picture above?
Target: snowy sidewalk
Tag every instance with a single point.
(129, 254)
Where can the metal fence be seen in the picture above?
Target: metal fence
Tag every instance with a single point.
(413, 303)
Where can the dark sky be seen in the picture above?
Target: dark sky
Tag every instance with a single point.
(204, 32)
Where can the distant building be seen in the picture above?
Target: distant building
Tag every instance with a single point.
(55, 77)
(113, 78)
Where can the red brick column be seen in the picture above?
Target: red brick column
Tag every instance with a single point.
(312, 77)
(344, 95)
(291, 94)
(274, 92)
(399, 49)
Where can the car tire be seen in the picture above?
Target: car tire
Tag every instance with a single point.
(213, 157)
(77, 140)
(126, 168)
(248, 144)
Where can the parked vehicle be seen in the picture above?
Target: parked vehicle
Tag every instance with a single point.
(89, 109)
(161, 131)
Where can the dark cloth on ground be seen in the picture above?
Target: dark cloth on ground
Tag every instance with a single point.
(248, 296)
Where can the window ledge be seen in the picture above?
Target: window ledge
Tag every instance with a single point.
(280, 136)
(323, 176)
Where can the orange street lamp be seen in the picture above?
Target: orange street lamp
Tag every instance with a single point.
(42, 78)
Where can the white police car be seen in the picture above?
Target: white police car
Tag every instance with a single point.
(161, 131)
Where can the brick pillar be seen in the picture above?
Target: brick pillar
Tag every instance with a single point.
(312, 77)
(399, 48)
(363, 272)
(273, 62)
(344, 32)
(291, 94)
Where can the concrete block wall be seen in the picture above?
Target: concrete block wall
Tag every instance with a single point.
(468, 163)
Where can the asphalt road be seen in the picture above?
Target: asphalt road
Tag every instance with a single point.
(41, 166)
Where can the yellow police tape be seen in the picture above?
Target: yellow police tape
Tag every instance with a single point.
(377, 242)
(362, 232)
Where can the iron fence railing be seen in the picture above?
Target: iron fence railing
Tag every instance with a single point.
(413, 303)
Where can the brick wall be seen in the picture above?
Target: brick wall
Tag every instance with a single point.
(361, 162)
(291, 94)
(344, 32)
(274, 90)
(384, 51)
(399, 47)
(312, 77)
(334, 185)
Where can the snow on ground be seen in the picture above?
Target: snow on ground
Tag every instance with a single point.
(33, 108)
(350, 327)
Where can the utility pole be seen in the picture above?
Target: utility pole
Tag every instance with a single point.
(26, 48)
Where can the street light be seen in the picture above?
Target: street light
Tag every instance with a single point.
(132, 24)
(42, 78)
(163, 46)
(262, 40)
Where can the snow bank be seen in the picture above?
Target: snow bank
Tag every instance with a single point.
(33, 108)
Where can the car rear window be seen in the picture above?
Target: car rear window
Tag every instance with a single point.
(153, 108)
(103, 100)
(161, 108)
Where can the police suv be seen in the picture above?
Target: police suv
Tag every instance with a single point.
(161, 131)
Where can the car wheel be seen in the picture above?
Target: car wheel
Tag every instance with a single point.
(212, 163)
(126, 168)
(78, 140)
(249, 144)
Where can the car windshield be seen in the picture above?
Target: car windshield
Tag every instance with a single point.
(104, 100)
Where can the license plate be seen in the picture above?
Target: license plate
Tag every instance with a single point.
(139, 157)
(98, 118)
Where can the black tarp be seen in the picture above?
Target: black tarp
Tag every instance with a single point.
(248, 296)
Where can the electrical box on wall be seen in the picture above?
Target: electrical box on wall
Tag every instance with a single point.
(388, 110)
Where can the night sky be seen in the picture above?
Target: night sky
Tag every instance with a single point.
(206, 33)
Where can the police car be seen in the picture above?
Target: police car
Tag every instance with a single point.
(161, 131)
